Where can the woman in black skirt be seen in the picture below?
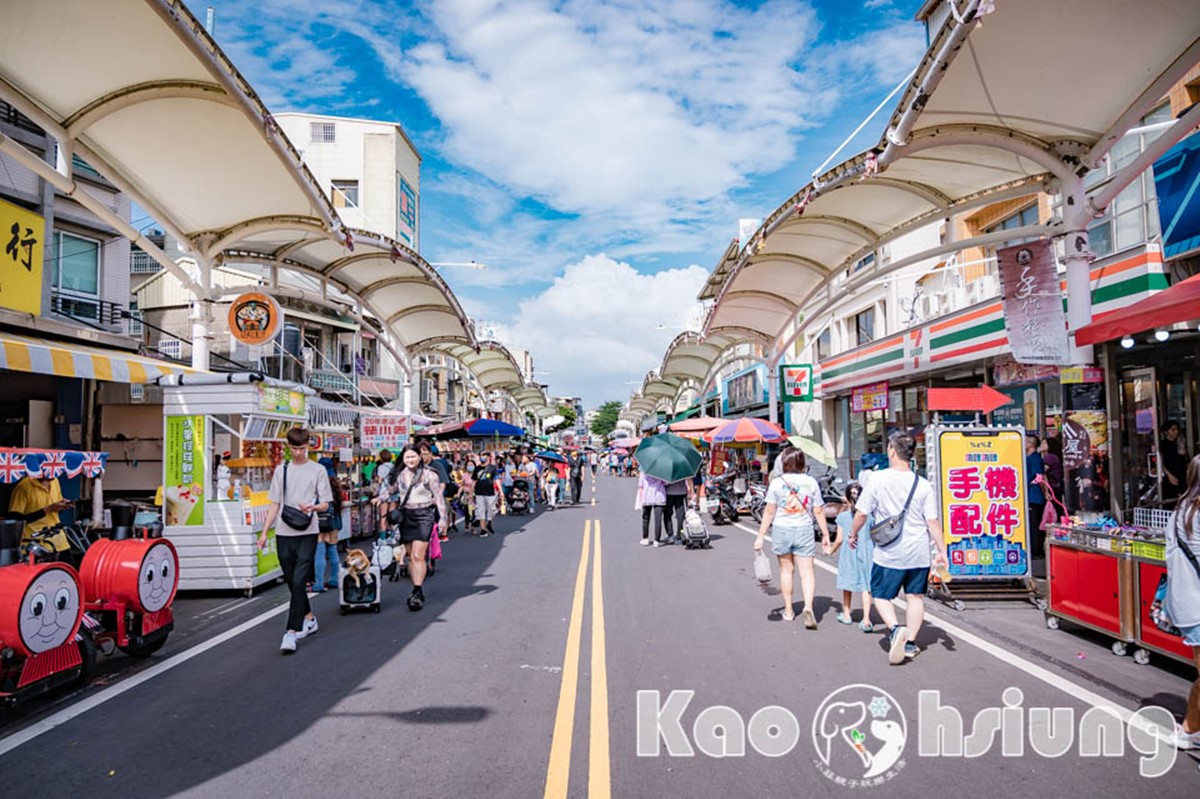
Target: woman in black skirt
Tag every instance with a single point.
(418, 490)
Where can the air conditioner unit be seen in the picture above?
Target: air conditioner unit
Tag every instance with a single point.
(982, 290)
(934, 305)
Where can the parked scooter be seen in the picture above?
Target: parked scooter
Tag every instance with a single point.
(721, 489)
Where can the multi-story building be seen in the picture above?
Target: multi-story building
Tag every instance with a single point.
(371, 171)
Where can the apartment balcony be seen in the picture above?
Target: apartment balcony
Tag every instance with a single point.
(333, 381)
(89, 311)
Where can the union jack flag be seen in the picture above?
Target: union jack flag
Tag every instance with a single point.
(93, 464)
(54, 465)
(12, 467)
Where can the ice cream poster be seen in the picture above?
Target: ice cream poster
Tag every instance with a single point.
(183, 488)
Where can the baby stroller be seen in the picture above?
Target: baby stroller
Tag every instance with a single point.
(695, 533)
(518, 497)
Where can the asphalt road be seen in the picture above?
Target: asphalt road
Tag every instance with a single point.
(521, 678)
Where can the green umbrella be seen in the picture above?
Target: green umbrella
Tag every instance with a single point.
(668, 457)
(813, 451)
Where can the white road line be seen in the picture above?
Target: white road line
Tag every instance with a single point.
(1073, 689)
(112, 692)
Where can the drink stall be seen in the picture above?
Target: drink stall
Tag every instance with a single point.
(223, 437)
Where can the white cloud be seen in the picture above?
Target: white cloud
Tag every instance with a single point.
(631, 110)
(594, 327)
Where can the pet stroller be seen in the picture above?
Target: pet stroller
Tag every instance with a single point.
(518, 497)
(695, 533)
(362, 590)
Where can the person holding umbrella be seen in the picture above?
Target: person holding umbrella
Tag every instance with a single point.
(652, 496)
(673, 462)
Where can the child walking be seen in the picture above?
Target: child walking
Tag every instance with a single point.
(854, 565)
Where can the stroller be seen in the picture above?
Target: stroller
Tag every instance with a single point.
(695, 534)
(518, 497)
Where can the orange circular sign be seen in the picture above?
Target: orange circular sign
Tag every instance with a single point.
(255, 318)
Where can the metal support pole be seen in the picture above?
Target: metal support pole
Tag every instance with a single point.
(1077, 258)
(773, 390)
(202, 317)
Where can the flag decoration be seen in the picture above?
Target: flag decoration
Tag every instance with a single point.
(18, 463)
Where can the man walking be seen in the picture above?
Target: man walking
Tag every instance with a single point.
(302, 488)
(904, 563)
(576, 465)
(485, 476)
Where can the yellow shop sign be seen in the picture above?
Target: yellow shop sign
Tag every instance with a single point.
(21, 261)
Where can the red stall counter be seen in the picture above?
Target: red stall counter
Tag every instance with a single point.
(1092, 587)
(1148, 636)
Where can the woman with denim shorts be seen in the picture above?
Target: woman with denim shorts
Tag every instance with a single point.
(793, 502)
(1183, 592)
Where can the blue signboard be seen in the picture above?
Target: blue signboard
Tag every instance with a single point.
(1177, 184)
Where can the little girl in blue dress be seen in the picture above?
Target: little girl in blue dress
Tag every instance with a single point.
(854, 565)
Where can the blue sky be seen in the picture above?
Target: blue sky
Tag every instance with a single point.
(596, 156)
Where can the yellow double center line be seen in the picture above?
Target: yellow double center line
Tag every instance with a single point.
(559, 770)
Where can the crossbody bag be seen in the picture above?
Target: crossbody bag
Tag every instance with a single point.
(885, 531)
(396, 515)
(1158, 614)
(293, 517)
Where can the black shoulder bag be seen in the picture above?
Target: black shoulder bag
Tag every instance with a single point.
(888, 530)
(396, 515)
(292, 517)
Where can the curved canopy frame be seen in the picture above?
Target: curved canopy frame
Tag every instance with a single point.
(141, 92)
(966, 133)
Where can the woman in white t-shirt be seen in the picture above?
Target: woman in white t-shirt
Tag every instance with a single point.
(793, 502)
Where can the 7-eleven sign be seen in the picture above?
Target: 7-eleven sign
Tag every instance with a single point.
(797, 382)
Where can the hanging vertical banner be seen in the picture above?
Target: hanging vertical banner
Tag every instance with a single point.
(1033, 309)
(21, 263)
(981, 480)
(183, 483)
(797, 382)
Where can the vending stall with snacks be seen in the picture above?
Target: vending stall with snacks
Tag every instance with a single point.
(223, 437)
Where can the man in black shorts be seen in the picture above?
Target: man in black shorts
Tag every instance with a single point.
(485, 477)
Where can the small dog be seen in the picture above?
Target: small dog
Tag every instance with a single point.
(357, 565)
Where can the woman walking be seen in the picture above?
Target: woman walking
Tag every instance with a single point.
(417, 491)
(327, 543)
(793, 501)
(652, 493)
(1183, 592)
(854, 565)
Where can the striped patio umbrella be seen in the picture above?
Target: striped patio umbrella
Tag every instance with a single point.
(745, 431)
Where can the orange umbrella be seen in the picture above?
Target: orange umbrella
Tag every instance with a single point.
(745, 431)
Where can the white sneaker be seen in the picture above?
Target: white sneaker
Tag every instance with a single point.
(310, 627)
(645, 542)
(289, 643)
(896, 652)
(1186, 740)
(657, 544)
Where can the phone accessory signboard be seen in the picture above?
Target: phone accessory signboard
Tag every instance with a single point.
(981, 482)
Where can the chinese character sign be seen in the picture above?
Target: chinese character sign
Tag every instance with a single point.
(797, 381)
(274, 399)
(983, 500)
(383, 432)
(183, 482)
(22, 259)
(1033, 308)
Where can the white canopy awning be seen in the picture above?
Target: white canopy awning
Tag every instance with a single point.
(1027, 102)
(141, 92)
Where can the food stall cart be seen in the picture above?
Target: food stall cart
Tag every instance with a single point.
(214, 509)
(1104, 579)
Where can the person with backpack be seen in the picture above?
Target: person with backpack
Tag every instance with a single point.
(793, 503)
(299, 491)
(907, 520)
(1182, 602)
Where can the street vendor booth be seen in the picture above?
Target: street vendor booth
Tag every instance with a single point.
(214, 508)
(332, 426)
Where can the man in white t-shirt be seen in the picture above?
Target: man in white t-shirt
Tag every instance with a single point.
(905, 562)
